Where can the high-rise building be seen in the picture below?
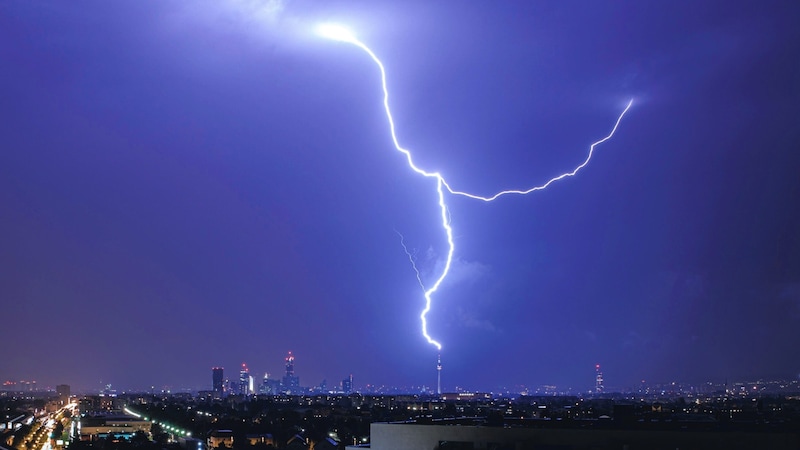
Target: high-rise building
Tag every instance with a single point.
(347, 384)
(63, 392)
(270, 386)
(290, 365)
(217, 380)
(598, 380)
(291, 383)
(244, 380)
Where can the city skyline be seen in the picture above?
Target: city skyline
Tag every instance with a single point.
(594, 384)
(191, 187)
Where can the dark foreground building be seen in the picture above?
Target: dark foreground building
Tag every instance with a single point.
(412, 436)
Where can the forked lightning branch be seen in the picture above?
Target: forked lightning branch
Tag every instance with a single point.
(342, 34)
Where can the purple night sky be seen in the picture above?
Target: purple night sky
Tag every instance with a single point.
(192, 184)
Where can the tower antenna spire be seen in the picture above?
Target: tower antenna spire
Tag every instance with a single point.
(439, 374)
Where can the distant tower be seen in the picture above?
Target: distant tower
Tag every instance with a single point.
(270, 385)
(439, 375)
(217, 379)
(347, 385)
(291, 383)
(244, 380)
(598, 380)
(290, 365)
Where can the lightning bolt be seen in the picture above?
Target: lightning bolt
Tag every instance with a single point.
(412, 260)
(424, 313)
(339, 33)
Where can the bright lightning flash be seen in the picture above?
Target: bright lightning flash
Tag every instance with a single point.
(412, 260)
(339, 33)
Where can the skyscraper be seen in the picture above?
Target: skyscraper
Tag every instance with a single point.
(270, 386)
(244, 380)
(347, 384)
(63, 392)
(290, 365)
(598, 380)
(217, 379)
(291, 383)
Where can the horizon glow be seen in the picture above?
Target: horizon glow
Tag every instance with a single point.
(340, 33)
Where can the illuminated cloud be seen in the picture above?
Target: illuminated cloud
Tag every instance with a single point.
(469, 319)
(268, 10)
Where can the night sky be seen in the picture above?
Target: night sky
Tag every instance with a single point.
(192, 184)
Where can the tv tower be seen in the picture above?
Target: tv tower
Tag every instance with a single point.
(439, 375)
